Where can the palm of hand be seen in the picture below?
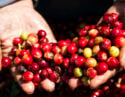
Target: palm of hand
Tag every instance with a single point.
(15, 20)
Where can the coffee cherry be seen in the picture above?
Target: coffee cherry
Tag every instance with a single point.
(98, 39)
(91, 42)
(87, 52)
(56, 49)
(110, 17)
(83, 32)
(43, 40)
(36, 53)
(116, 32)
(49, 70)
(58, 59)
(105, 31)
(64, 50)
(92, 26)
(91, 62)
(17, 60)
(41, 33)
(91, 72)
(66, 63)
(36, 46)
(18, 52)
(53, 76)
(96, 49)
(23, 52)
(93, 33)
(48, 55)
(77, 72)
(102, 56)
(113, 62)
(75, 39)
(27, 76)
(24, 35)
(106, 44)
(62, 43)
(34, 67)
(68, 41)
(44, 74)
(6, 62)
(119, 41)
(118, 24)
(102, 67)
(13, 51)
(114, 51)
(17, 41)
(80, 61)
(73, 58)
(71, 49)
(36, 78)
(82, 43)
(32, 39)
(46, 47)
(27, 59)
(43, 63)
(123, 33)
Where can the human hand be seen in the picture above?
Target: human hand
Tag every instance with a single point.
(118, 8)
(16, 18)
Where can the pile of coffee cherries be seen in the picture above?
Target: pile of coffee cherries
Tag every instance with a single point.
(95, 50)
(32, 55)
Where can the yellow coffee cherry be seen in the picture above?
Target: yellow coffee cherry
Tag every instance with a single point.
(87, 52)
(95, 49)
(77, 72)
(114, 51)
(98, 39)
(24, 35)
(75, 39)
(91, 62)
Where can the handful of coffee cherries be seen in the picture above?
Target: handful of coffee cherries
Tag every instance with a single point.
(95, 50)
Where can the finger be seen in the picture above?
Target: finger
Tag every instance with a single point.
(122, 57)
(74, 83)
(112, 9)
(48, 85)
(27, 87)
(101, 79)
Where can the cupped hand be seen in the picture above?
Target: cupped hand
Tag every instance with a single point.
(118, 8)
(15, 19)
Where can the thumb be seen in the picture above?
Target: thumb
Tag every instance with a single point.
(122, 57)
(101, 79)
